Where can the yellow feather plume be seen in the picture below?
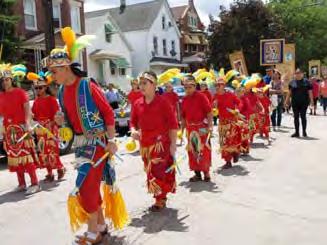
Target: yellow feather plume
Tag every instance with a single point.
(69, 38)
(32, 76)
(168, 75)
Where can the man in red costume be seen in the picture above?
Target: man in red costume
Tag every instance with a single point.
(44, 110)
(154, 124)
(92, 119)
(135, 93)
(228, 128)
(172, 98)
(18, 142)
(197, 119)
(204, 89)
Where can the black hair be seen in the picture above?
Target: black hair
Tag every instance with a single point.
(77, 71)
(13, 83)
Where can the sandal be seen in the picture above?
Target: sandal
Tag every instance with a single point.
(159, 205)
(89, 238)
(195, 178)
(61, 173)
(207, 179)
(105, 231)
(49, 178)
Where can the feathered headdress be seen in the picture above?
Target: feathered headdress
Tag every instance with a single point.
(19, 73)
(5, 70)
(41, 78)
(168, 76)
(67, 55)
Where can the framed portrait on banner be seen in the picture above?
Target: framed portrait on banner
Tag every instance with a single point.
(272, 51)
(237, 62)
(315, 68)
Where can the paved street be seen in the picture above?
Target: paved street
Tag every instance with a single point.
(276, 196)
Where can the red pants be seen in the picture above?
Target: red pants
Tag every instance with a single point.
(264, 125)
(90, 196)
(245, 138)
(157, 160)
(198, 149)
(229, 138)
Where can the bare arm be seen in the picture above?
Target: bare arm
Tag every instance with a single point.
(28, 115)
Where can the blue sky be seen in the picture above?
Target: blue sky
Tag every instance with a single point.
(204, 7)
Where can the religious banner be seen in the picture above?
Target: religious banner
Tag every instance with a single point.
(315, 68)
(287, 69)
(271, 51)
(237, 62)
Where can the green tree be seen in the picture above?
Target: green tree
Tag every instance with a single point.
(307, 21)
(8, 39)
(241, 27)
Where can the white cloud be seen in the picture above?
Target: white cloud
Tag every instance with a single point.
(204, 7)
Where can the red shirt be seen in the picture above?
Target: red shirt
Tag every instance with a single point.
(1, 103)
(133, 96)
(154, 119)
(13, 106)
(172, 98)
(195, 108)
(227, 101)
(245, 106)
(265, 102)
(254, 101)
(100, 101)
(45, 108)
(208, 94)
(315, 89)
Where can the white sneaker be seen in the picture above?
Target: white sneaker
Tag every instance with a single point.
(33, 189)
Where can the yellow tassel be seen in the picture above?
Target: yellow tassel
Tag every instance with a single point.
(77, 215)
(114, 207)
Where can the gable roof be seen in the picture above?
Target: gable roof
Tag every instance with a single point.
(135, 17)
(179, 11)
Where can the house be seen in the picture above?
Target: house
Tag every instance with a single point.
(32, 25)
(194, 43)
(110, 55)
(152, 33)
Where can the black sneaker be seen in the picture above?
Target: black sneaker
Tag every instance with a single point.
(305, 134)
(295, 135)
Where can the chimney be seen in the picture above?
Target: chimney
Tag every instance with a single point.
(191, 3)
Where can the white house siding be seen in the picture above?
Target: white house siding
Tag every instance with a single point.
(142, 43)
(140, 53)
(117, 46)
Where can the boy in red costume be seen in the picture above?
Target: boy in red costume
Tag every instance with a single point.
(135, 93)
(228, 128)
(18, 142)
(172, 98)
(197, 119)
(264, 118)
(44, 110)
(154, 123)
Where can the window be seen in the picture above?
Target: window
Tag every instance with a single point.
(155, 45)
(173, 51)
(164, 45)
(193, 48)
(163, 22)
(75, 15)
(108, 30)
(122, 71)
(30, 14)
(56, 16)
(112, 68)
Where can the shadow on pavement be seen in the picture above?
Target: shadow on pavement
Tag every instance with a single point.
(259, 145)
(114, 240)
(12, 197)
(200, 186)
(282, 131)
(234, 171)
(309, 138)
(166, 220)
(249, 158)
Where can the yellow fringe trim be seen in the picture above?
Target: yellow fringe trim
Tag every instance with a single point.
(77, 215)
(114, 207)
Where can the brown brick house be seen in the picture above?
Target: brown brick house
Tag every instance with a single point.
(194, 44)
(32, 25)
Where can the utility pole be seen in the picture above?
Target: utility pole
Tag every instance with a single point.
(49, 28)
